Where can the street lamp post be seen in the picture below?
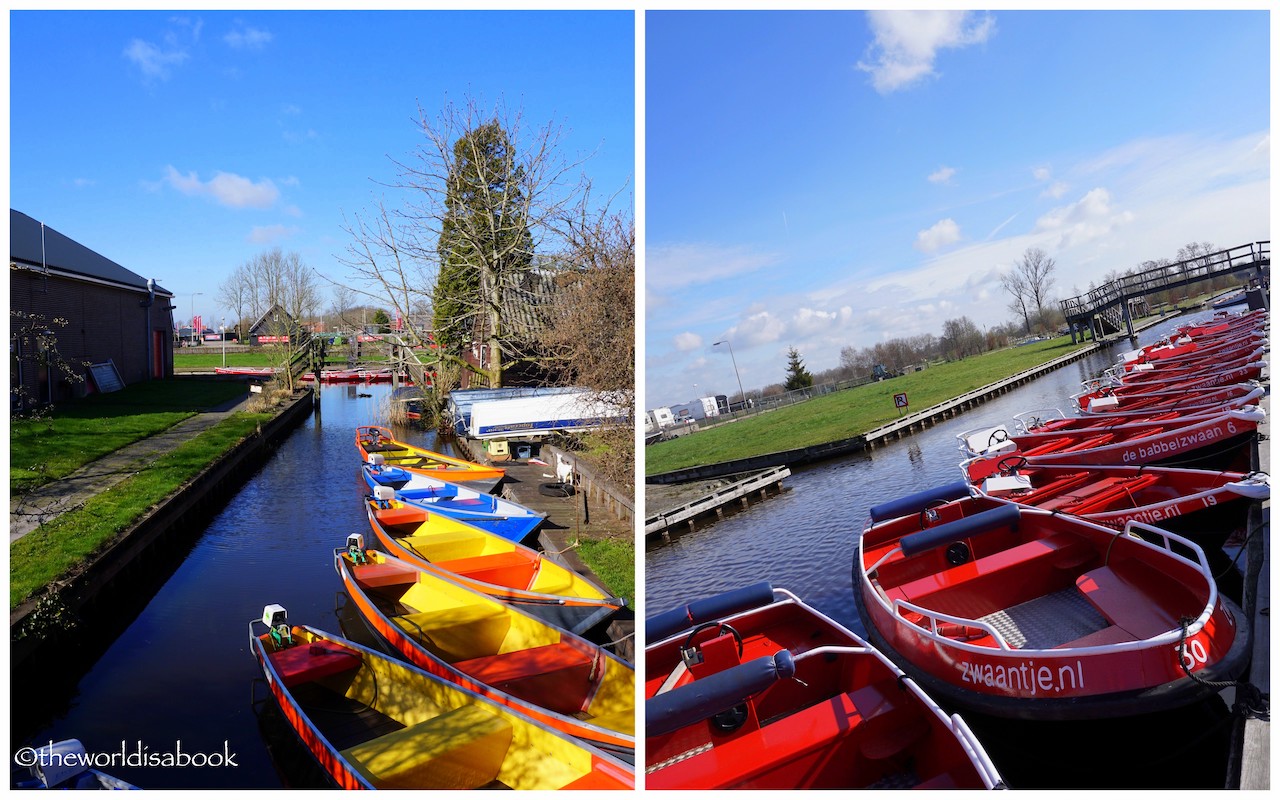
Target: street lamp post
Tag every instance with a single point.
(224, 341)
(742, 396)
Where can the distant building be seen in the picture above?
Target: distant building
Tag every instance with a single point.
(111, 313)
(276, 326)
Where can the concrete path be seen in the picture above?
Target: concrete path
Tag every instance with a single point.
(30, 510)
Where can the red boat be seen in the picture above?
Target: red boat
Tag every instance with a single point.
(1104, 398)
(1184, 399)
(1044, 420)
(1210, 440)
(1021, 612)
(1206, 507)
(1178, 371)
(1185, 351)
(755, 689)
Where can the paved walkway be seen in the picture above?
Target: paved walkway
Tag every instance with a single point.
(32, 509)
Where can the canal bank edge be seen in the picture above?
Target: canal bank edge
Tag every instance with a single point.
(100, 575)
(906, 426)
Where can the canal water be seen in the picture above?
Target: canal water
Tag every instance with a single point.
(180, 677)
(803, 540)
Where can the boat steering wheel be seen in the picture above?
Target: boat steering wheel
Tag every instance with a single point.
(1009, 465)
(997, 436)
(719, 626)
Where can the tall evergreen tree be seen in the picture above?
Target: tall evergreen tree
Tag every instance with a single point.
(797, 376)
(484, 245)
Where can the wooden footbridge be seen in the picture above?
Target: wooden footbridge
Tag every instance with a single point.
(1107, 309)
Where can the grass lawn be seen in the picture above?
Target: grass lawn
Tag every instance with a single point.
(848, 413)
(53, 548)
(614, 563)
(206, 358)
(81, 431)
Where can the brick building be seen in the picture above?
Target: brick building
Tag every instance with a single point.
(111, 314)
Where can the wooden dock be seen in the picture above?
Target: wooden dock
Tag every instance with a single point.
(759, 484)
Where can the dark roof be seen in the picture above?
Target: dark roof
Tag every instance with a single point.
(65, 254)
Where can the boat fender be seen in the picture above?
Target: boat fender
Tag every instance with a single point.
(1006, 516)
(1249, 413)
(1255, 486)
(377, 459)
(708, 609)
(915, 503)
(715, 694)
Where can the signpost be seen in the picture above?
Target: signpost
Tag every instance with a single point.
(900, 401)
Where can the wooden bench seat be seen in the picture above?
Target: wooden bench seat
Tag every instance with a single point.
(461, 749)
(383, 574)
(554, 676)
(400, 516)
(984, 585)
(490, 568)
(1138, 598)
(309, 662)
(1096, 495)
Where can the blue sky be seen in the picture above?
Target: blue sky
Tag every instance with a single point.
(830, 179)
(182, 144)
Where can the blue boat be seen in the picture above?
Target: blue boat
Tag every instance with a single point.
(499, 516)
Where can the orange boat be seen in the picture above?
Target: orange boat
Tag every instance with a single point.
(372, 439)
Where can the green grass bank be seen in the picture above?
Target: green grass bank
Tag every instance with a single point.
(848, 413)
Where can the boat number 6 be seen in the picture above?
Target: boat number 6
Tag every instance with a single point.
(1194, 655)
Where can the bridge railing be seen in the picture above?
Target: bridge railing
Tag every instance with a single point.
(1158, 278)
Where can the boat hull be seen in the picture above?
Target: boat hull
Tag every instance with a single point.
(1021, 612)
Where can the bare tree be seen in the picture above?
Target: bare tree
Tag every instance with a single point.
(1030, 284)
(523, 185)
(235, 294)
(283, 294)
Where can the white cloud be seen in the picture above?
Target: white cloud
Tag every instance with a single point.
(1042, 173)
(225, 188)
(943, 233)
(1090, 217)
(266, 234)
(943, 175)
(688, 341)
(808, 321)
(1056, 190)
(244, 37)
(907, 43)
(155, 61)
(678, 266)
(759, 328)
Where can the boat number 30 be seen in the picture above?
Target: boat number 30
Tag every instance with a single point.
(1195, 655)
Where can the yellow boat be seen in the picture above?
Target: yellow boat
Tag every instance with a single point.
(501, 652)
(372, 439)
(480, 560)
(374, 722)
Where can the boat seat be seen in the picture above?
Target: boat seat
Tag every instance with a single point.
(982, 586)
(553, 676)
(382, 574)
(1138, 598)
(1096, 495)
(309, 662)
(1112, 634)
(460, 749)
(470, 501)
(623, 721)
(487, 568)
(398, 515)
